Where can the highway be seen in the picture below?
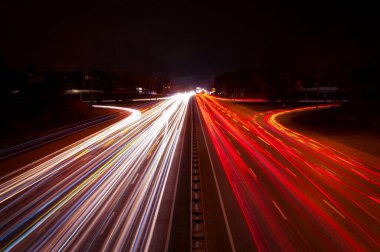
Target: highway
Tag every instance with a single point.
(127, 187)
(104, 192)
(276, 189)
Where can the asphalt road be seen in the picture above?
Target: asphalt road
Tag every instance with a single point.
(276, 189)
(110, 191)
(127, 187)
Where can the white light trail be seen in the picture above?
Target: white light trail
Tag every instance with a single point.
(101, 192)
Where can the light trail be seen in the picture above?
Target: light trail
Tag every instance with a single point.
(104, 191)
(294, 192)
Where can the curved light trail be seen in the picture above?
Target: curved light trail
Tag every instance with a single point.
(294, 193)
(103, 192)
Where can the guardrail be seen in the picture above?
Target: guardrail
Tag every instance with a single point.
(198, 239)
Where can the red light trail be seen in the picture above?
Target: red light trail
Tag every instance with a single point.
(294, 192)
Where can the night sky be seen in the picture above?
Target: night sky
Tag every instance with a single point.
(187, 41)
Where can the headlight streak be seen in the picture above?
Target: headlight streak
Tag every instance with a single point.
(274, 169)
(116, 175)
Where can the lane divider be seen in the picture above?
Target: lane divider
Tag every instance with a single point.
(198, 239)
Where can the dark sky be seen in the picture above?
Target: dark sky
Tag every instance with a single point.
(188, 41)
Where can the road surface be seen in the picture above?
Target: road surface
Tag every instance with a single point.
(280, 190)
(104, 192)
